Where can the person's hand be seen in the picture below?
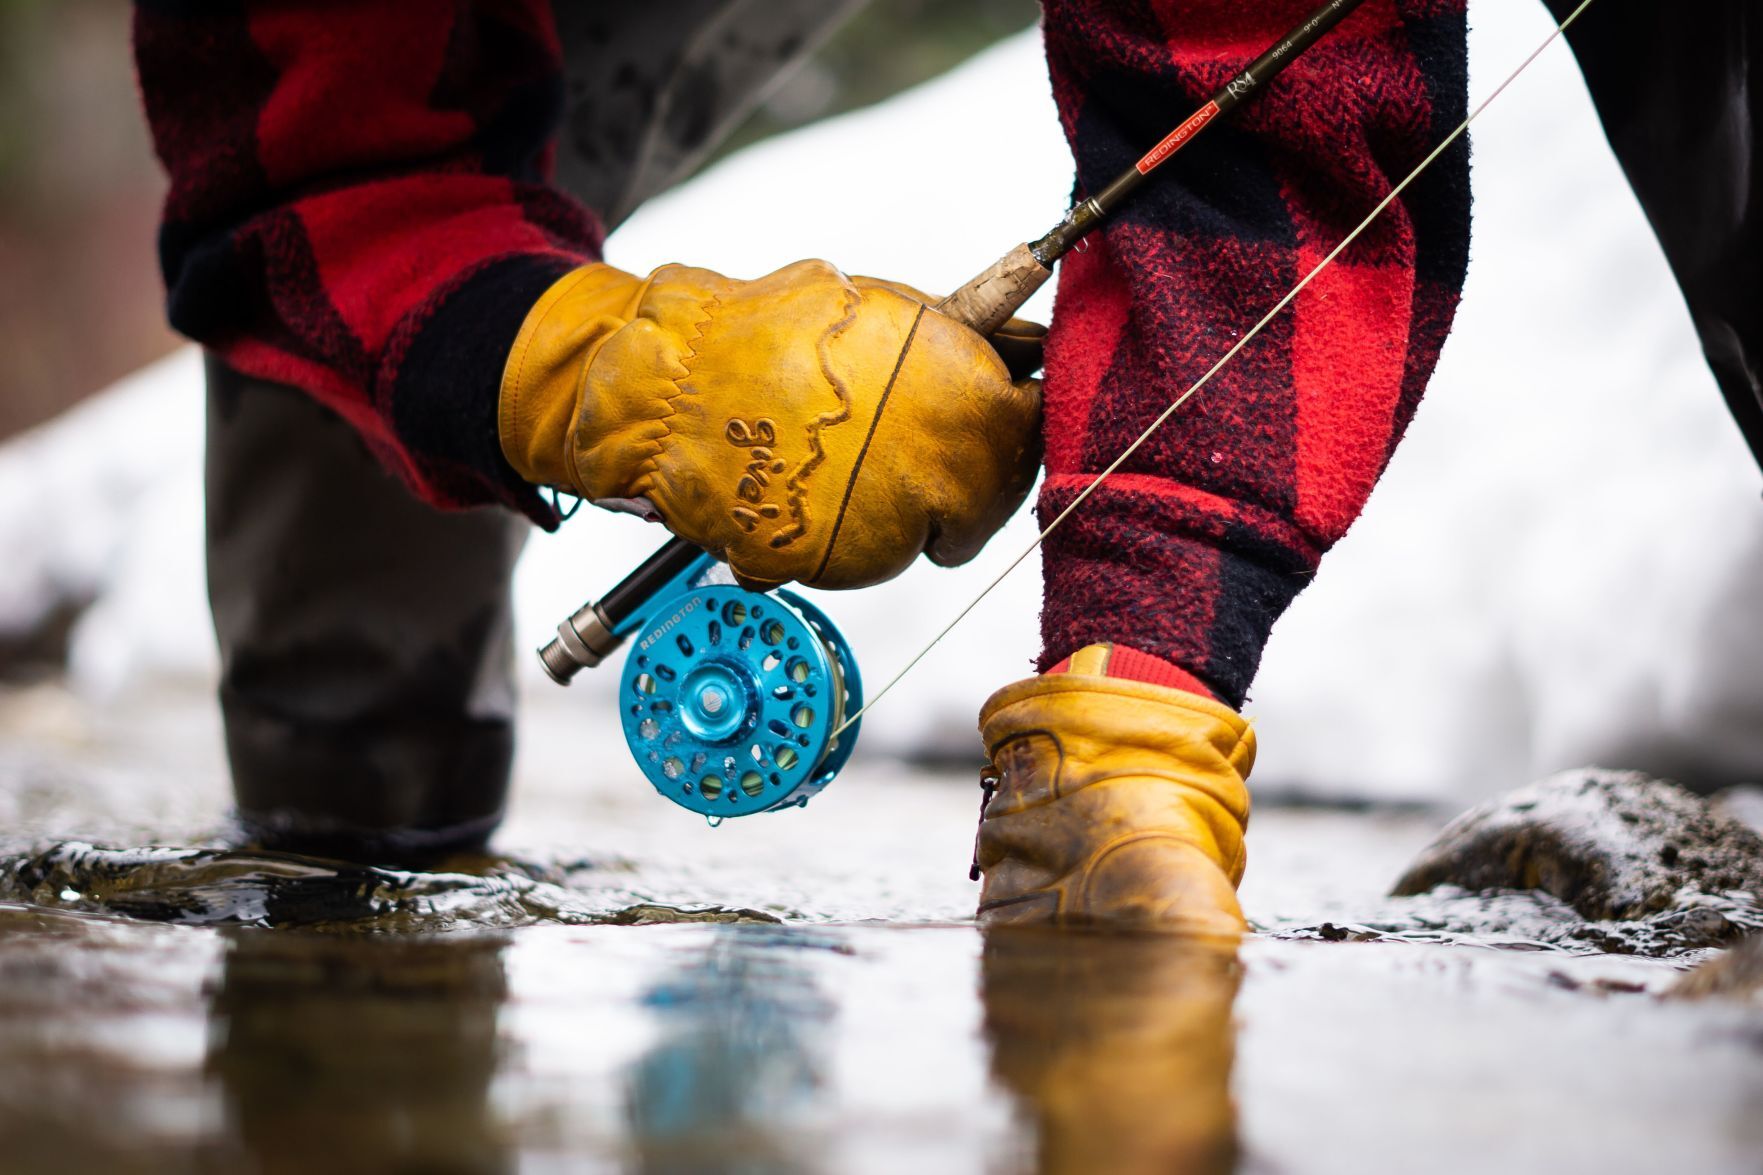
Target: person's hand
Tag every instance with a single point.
(804, 426)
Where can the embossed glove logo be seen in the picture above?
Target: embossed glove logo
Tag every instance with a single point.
(758, 438)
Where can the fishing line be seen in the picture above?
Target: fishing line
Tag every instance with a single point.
(1144, 436)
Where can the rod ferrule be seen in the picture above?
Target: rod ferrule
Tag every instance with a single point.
(1079, 220)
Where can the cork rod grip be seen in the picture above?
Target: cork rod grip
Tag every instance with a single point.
(988, 301)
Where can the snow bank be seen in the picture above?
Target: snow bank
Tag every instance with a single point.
(104, 503)
(1558, 568)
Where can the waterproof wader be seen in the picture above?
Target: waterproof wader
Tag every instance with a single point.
(1672, 86)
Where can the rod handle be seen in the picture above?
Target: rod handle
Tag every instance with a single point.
(988, 301)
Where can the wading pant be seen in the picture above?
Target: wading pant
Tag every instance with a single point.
(366, 639)
(1672, 85)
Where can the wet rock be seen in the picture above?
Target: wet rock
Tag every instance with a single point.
(1589, 861)
(1531, 920)
(1613, 845)
(1586, 862)
(1734, 973)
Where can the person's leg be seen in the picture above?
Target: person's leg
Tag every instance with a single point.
(365, 637)
(1120, 772)
(367, 666)
(1673, 87)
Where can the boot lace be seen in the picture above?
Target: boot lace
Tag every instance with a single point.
(988, 787)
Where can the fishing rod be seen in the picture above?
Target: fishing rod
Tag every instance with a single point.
(737, 702)
(988, 301)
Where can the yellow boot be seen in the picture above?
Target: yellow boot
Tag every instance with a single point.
(1116, 802)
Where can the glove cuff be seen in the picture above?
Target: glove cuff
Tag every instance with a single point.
(542, 382)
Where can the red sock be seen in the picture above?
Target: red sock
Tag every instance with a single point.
(1111, 660)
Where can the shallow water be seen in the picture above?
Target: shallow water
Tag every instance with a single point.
(813, 999)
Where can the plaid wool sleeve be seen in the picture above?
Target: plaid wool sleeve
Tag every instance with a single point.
(359, 207)
(1197, 546)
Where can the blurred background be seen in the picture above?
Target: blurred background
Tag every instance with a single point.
(79, 204)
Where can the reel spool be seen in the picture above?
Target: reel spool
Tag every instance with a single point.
(729, 699)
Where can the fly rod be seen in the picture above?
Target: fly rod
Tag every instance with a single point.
(985, 304)
(988, 301)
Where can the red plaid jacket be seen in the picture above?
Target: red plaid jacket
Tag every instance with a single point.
(359, 206)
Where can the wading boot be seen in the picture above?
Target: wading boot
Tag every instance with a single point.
(1114, 802)
(366, 639)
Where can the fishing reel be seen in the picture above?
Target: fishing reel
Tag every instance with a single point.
(732, 702)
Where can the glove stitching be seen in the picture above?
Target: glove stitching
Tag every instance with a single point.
(857, 467)
(652, 464)
(796, 487)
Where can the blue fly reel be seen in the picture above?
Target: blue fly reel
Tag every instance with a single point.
(730, 698)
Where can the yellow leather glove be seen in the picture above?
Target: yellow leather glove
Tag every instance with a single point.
(1117, 802)
(804, 426)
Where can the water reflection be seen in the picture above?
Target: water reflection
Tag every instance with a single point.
(1118, 1047)
(370, 1054)
(739, 1059)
